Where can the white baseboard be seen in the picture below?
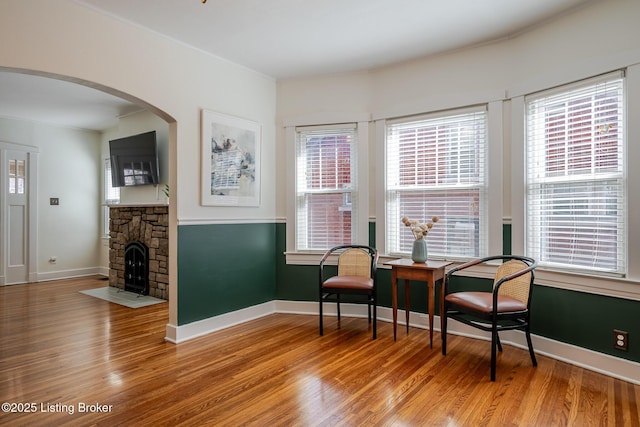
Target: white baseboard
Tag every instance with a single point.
(70, 274)
(63, 274)
(178, 334)
(103, 271)
(616, 367)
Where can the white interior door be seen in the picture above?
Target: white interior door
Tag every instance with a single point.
(17, 217)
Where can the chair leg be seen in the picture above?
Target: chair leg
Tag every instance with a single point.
(320, 312)
(375, 332)
(494, 343)
(531, 353)
(338, 304)
(498, 342)
(369, 312)
(443, 331)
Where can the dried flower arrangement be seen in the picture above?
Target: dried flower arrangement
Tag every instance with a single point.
(418, 229)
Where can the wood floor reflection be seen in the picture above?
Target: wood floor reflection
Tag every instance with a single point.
(65, 352)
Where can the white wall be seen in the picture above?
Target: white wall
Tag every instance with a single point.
(592, 40)
(134, 124)
(172, 80)
(68, 165)
(309, 102)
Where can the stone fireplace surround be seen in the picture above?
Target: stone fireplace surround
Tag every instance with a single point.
(148, 224)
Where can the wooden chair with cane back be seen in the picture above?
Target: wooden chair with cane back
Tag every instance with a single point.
(355, 281)
(506, 307)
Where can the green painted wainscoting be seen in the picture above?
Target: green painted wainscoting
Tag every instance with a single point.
(586, 320)
(224, 268)
(576, 318)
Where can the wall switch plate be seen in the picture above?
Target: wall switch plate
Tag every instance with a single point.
(620, 340)
(54, 201)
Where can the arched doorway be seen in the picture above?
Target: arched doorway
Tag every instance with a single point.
(87, 95)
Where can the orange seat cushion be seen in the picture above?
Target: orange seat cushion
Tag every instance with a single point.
(483, 302)
(349, 282)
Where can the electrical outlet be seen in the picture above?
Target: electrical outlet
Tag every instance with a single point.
(620, 340)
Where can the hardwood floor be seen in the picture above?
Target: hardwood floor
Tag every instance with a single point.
(62, 351)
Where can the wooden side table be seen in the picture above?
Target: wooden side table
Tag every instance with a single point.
(429, 272)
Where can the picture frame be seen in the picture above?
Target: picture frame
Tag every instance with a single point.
(230, 160)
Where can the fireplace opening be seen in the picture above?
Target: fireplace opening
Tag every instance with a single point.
(136, 268)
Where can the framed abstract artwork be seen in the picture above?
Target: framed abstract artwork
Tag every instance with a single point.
(230, 160)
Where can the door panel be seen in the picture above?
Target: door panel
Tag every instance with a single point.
(17, 219)
(17, 268)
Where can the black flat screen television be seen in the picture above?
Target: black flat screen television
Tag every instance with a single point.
(134, 160)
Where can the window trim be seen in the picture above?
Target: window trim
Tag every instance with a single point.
(495, 166)
(546, 180)
(307, 192)
(627, 287)
(361, 222)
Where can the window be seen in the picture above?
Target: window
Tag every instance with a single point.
(436, 165)
(17, 177)
(575, 180)
(111, 196)
(326, 193)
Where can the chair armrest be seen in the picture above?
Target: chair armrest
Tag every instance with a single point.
(325, 257)
(374, 265)
(447, 276)
(465, 265)
(322, 261)
(531, 262)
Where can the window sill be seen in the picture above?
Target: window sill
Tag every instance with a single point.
(313, 258)
(303, 258)
(615, 287)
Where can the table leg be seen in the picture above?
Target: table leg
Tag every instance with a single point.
(441, 303)
(394, 300)
(432, 297)
(407, 301)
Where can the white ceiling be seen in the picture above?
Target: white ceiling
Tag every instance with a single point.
(291, 38)
(284, 39)
(58, 102)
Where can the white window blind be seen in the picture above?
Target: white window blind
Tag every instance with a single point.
(326, 187)
(575, 201)
(437, 166)
(111, 194)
